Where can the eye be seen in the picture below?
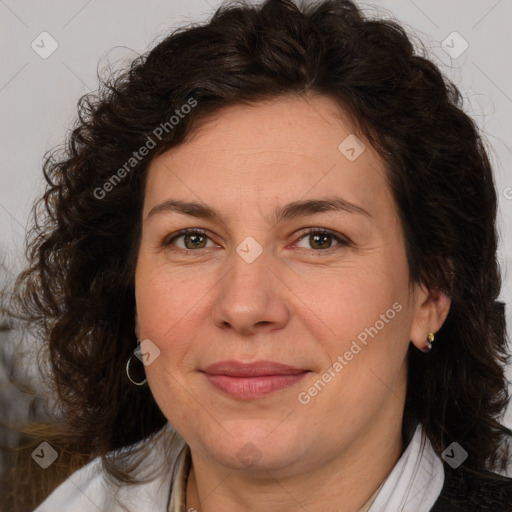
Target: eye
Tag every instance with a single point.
(316, 238)
(191, 239)
(321, 239)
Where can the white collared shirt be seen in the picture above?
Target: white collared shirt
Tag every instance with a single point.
(415, 482)
(413, 485)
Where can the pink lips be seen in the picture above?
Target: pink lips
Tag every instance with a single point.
(252, 380)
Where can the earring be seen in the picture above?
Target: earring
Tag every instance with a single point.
(141, 383)
(430, 340)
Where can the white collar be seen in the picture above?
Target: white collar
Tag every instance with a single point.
(415, 482)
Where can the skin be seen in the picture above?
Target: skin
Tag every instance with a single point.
(297, 303)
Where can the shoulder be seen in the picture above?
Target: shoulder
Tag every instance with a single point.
(90, 490)
(465, 491)
(84, 490)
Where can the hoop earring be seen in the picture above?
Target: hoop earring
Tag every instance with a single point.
(128, 370)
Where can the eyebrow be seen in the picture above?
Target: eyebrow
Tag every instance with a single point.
(289, 211)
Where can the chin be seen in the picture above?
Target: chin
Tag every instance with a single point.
(255, 447)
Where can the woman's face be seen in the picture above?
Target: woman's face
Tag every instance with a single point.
(303, 264)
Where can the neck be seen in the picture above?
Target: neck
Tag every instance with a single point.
(346, 482)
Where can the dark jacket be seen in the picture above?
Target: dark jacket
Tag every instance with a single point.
(466, 492)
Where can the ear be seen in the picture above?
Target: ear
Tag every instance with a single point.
(432, 308)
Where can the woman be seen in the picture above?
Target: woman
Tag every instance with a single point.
(266, 274)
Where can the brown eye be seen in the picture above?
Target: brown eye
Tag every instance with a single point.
(189, 240)
(194, 241)
(321, 240)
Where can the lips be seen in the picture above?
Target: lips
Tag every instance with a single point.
(258, 368)
(252, 380)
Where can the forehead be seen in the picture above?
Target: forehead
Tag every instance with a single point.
(307, 125)
(293, 146)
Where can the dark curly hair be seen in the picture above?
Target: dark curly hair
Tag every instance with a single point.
(78, 290)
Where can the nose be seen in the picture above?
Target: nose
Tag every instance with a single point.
(251, 298)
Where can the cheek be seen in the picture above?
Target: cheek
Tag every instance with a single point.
(356, 300)
(167, 306)
(167, 300)
(161, 315)
(364, 362)
(364, 336)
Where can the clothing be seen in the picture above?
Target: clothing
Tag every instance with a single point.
(416, 484)
(88, 490)
(463, 492)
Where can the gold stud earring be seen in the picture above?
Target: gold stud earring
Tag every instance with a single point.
(430, 340)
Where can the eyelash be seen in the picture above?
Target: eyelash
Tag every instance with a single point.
(342, 240)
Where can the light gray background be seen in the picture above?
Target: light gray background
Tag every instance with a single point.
(38, 96)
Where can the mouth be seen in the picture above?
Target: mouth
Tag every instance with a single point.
(252, 380)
